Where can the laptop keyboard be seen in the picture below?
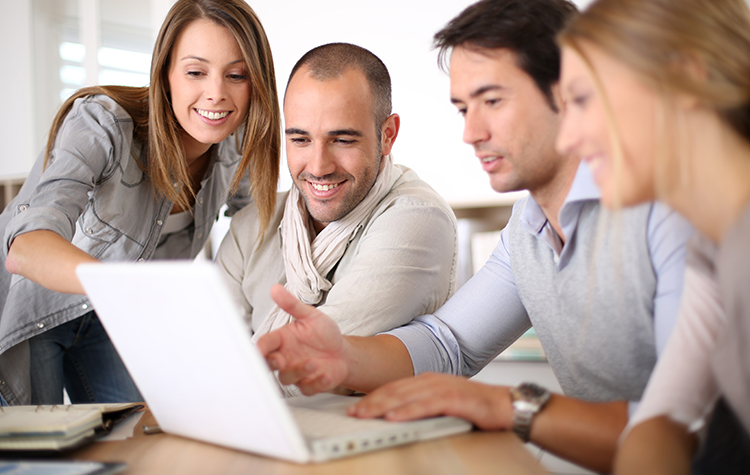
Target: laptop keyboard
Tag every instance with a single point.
(316, 423)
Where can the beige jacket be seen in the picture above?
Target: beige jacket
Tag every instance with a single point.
(400, 264)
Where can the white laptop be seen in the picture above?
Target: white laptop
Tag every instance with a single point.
(188, 349)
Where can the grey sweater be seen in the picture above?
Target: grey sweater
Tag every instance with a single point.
(594, 316)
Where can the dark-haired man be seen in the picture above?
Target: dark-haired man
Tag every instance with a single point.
(601, 298)
(365, 240)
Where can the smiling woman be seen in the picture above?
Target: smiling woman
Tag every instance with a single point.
(132, 174)
(660, 106)
(209, 85)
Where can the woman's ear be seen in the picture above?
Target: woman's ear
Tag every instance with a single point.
(694, 68)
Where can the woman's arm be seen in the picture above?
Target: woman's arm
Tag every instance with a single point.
(90, 144)
(48, 259)
(659, 446)
(681, 388)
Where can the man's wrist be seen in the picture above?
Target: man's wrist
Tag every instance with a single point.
(348, 353)
(528, 399)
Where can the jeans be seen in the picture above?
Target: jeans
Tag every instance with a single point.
(79, 357)
(727, 447)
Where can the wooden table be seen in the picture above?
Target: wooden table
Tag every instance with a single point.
(471, 453)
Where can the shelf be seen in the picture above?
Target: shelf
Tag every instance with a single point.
(10, 185)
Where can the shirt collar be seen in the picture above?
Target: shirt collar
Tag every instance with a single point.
(583, 188)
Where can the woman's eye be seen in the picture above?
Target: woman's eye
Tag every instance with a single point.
(581, 100)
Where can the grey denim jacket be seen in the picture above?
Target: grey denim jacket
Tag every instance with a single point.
(95, 194)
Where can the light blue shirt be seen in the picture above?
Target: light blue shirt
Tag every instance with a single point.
(486, 315)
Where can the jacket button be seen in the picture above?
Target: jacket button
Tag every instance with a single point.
(159, 222)
(40, 325)
(85, 306)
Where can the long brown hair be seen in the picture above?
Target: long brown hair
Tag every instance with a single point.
(156, 124)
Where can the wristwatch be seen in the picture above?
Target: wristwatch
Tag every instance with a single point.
(527, 399)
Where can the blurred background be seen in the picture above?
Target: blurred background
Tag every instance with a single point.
(45, 45)
(50, 48)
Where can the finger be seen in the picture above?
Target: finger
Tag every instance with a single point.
(290, 304)
(296, 373)
(388, 397)
(430, 406)
(436, 395)
(276, 361)
(314, 384)
(269, 343)
(391, 396)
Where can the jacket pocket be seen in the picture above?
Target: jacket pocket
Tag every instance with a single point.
(94, 235)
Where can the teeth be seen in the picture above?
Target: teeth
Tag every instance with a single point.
(324, 187)
(212, 115)
(488, 159)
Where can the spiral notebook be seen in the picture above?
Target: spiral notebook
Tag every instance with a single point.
(57, 428)
(188, 349)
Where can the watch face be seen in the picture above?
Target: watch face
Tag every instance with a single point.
(526, 406)
(531, 391)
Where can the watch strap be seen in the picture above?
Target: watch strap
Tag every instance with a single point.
(522, 424)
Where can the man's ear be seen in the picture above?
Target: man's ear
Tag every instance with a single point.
(389, 132)
(558, 98)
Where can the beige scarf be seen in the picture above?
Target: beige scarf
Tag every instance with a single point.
(307, 263)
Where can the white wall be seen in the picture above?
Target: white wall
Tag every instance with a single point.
(398, 31)
(17, 127)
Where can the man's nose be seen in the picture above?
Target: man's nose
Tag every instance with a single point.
(321, 162)
(475, 128)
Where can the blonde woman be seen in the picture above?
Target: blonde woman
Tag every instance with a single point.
(132, 174)
(658, 105)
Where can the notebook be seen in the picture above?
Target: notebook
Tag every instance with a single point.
(58, 427)
(188, 350)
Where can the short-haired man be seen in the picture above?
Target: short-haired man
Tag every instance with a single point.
(365, 240)
(602, 298)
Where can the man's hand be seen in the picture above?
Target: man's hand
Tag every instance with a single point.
(430, 394)
(582, 432)
(310, 351)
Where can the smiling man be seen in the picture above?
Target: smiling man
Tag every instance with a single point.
(363, 239)
(601, 298)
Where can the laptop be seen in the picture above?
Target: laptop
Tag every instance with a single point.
(188, 349)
